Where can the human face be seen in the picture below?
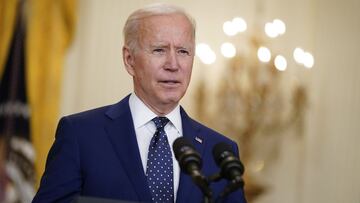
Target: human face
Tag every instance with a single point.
(161, 64)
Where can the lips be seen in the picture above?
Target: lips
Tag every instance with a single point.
(169, 83)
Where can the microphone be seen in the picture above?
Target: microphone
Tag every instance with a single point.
(230, 166)
(190, 162)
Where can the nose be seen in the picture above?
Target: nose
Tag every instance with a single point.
(172, 61)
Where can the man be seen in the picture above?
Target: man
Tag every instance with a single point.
(111, 152)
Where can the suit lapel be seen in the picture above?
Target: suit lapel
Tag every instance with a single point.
(191, 133)
(122, 135)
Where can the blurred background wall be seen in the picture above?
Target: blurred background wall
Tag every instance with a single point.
(317, 162)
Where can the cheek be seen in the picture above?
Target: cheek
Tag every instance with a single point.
(141, 70)
(187, 70)
(187, 62)
(146, 78)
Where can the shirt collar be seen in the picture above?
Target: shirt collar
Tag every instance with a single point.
(142, 114)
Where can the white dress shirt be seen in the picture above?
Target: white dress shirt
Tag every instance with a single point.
(145, 129)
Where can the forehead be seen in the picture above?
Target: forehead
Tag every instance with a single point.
(175, 27)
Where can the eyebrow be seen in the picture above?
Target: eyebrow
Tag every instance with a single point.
(160, 45)
(165, 45)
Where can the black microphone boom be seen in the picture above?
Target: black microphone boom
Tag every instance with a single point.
(230, 166)
(190, 162)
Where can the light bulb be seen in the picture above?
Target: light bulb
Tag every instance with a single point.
(229, 28)
(264, 54)
(299, 55)
(279, 26)
(239, 24)
(205, 53)
(308, 60)
(270, 30)
(228, 50)
(280, 63)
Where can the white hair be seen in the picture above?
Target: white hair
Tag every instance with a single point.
(131, 28)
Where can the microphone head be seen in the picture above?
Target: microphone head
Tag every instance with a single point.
(221, 151)
(179, 144)
(186, 155)
(190, 163)
(225, 158)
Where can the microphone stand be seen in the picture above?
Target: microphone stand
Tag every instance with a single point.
(231, 187)
(234, 185)
(202, 182)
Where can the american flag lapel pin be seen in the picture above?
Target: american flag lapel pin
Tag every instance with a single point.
(199, 140)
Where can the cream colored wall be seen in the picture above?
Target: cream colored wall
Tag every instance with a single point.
(320, 167)
(333, 152)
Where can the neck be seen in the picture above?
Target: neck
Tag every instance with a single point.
(159, 110)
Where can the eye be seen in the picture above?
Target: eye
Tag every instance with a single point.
(158, 51)
(184, 52)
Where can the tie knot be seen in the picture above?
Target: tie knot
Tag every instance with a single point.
(160, 122)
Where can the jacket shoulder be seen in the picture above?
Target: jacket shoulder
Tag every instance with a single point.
(212, 134)
(91, 114)
(101, 113)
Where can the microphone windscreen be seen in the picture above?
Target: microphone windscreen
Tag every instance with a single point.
(220, 150)
(179, 144)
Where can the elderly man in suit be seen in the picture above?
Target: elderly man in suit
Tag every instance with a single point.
(124, 151)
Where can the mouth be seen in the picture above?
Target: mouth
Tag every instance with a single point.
(170, 83)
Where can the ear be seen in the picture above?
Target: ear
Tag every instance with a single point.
(128, 58)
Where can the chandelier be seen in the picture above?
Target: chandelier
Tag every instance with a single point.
(258, 108)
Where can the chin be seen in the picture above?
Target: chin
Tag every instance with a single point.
(171, 98)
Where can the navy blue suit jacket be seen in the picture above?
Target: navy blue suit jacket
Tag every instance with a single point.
(96, 154)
